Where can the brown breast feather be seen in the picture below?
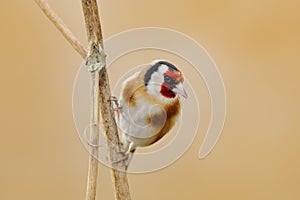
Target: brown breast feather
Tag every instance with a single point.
(172, 111)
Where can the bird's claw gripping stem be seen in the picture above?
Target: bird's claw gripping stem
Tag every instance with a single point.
(116, 107)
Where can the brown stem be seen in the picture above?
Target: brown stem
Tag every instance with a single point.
(94, 137)
(120, 180)
(100, 93)
(91, 63)
(96, 54)
(61, 27)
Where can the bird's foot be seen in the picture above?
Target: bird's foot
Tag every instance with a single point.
(114, 100)
(122, 158)
(116, 107)
(125, 158)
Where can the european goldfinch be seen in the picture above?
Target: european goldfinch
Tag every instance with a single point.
(149, 106)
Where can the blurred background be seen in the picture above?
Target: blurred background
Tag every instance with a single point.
(255, 45)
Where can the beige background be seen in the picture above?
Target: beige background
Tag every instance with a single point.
(254, 43)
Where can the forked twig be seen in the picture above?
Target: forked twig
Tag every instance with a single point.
(55, 19)
(100, 94)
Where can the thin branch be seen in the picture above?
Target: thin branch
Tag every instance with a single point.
(61, 27)
(120, 180)
(94, 137)
(96, 55)
(100, 94)
(93, 65)
(97, 23)
(88, 19)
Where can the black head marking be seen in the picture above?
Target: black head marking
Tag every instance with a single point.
(155, 67)
(149, 73)
(169, 65)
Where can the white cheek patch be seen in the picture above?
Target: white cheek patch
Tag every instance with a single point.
(154, 84)
(157, 79)
(162, 69)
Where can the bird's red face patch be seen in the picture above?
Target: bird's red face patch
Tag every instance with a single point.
(171, 79)
(175, 75)
(166, 92)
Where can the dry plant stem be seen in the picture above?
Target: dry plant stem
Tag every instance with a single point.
(93, 162)
(100, 93)
(94, 137)
(120, 180)
(96, 56)
(61, 27)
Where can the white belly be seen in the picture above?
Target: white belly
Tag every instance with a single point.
(135, 125)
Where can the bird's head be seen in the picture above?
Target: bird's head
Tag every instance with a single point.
(165, 80)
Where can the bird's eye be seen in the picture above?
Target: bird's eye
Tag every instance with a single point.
(167, 79)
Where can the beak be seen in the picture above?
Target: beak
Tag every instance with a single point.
(178, 89)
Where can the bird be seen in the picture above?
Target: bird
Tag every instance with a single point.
(149, 106)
